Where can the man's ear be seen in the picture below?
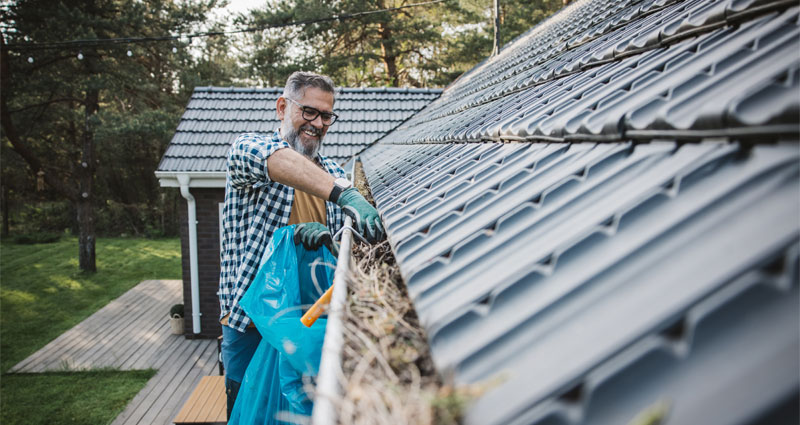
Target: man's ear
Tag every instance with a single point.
(280, 106)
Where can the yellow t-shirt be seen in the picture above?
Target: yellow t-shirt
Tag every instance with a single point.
(307, 208)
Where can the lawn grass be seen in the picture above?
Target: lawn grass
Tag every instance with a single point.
(85, 398)
(42, 295)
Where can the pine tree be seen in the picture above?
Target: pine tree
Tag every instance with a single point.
(79, 113)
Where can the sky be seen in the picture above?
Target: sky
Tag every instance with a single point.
(234, 7)
(238, 6)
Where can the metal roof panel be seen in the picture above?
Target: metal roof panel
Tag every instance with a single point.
(599, 279)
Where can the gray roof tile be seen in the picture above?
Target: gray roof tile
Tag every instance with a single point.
(215, 116)
(517, 254)
(556, 230)
(694, 35)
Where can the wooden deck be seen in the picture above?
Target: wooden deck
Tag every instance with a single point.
(132, 332)
(207, 404)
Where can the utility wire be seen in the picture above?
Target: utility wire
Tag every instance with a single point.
(130, 40)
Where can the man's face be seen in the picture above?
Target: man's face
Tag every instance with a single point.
(305, 136)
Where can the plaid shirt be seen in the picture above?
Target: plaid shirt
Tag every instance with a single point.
(254, 208)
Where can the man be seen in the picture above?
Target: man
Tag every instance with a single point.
(275, 180)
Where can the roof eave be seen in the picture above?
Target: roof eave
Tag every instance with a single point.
(202, 179)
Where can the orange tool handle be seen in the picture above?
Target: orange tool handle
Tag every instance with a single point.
(316, 310)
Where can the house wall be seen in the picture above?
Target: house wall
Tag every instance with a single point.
(207, 204)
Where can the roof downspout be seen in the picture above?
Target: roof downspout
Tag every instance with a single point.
(330, 367)
(183, 180)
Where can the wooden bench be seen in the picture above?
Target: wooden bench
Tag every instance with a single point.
(206, 405)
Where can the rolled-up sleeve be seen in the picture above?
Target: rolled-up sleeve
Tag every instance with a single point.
(247, 159)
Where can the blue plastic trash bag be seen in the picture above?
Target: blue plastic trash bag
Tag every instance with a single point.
(289, 280)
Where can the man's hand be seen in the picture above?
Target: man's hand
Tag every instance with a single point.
(365, 216)
(314, 235)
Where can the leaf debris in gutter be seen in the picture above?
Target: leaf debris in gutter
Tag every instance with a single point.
(388, 373)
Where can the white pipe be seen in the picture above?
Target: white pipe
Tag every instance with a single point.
(183, 180)
(330, 367)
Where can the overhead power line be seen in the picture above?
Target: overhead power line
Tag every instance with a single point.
(131, 40)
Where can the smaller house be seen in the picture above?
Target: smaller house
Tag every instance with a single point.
(195, 162)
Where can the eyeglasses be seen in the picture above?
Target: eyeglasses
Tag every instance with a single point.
(310, 114)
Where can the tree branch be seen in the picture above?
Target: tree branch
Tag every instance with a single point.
(39, 65)
(48, 103)
(19, 146)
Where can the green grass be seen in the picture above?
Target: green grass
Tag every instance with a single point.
(53, 398)
(42, 295)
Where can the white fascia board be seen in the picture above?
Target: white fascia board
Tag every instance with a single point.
(205, 179)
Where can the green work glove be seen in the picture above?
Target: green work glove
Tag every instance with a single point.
(365, 216)
(313, 235)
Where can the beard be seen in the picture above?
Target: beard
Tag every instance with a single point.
(294, 138)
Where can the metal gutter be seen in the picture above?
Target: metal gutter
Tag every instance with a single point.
(204, 179)
(330, 368)
(184, 180)
(350, 167)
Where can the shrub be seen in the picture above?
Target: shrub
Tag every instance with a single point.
(53, 217)
(176, 309)
(40, 237)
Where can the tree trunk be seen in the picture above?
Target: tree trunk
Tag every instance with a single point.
(388, 55)
(86, 222)
(86, 240)
(5, 211)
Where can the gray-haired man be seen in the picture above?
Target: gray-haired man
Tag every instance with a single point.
(268, 187)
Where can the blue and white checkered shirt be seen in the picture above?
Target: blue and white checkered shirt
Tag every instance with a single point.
(254, 208)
